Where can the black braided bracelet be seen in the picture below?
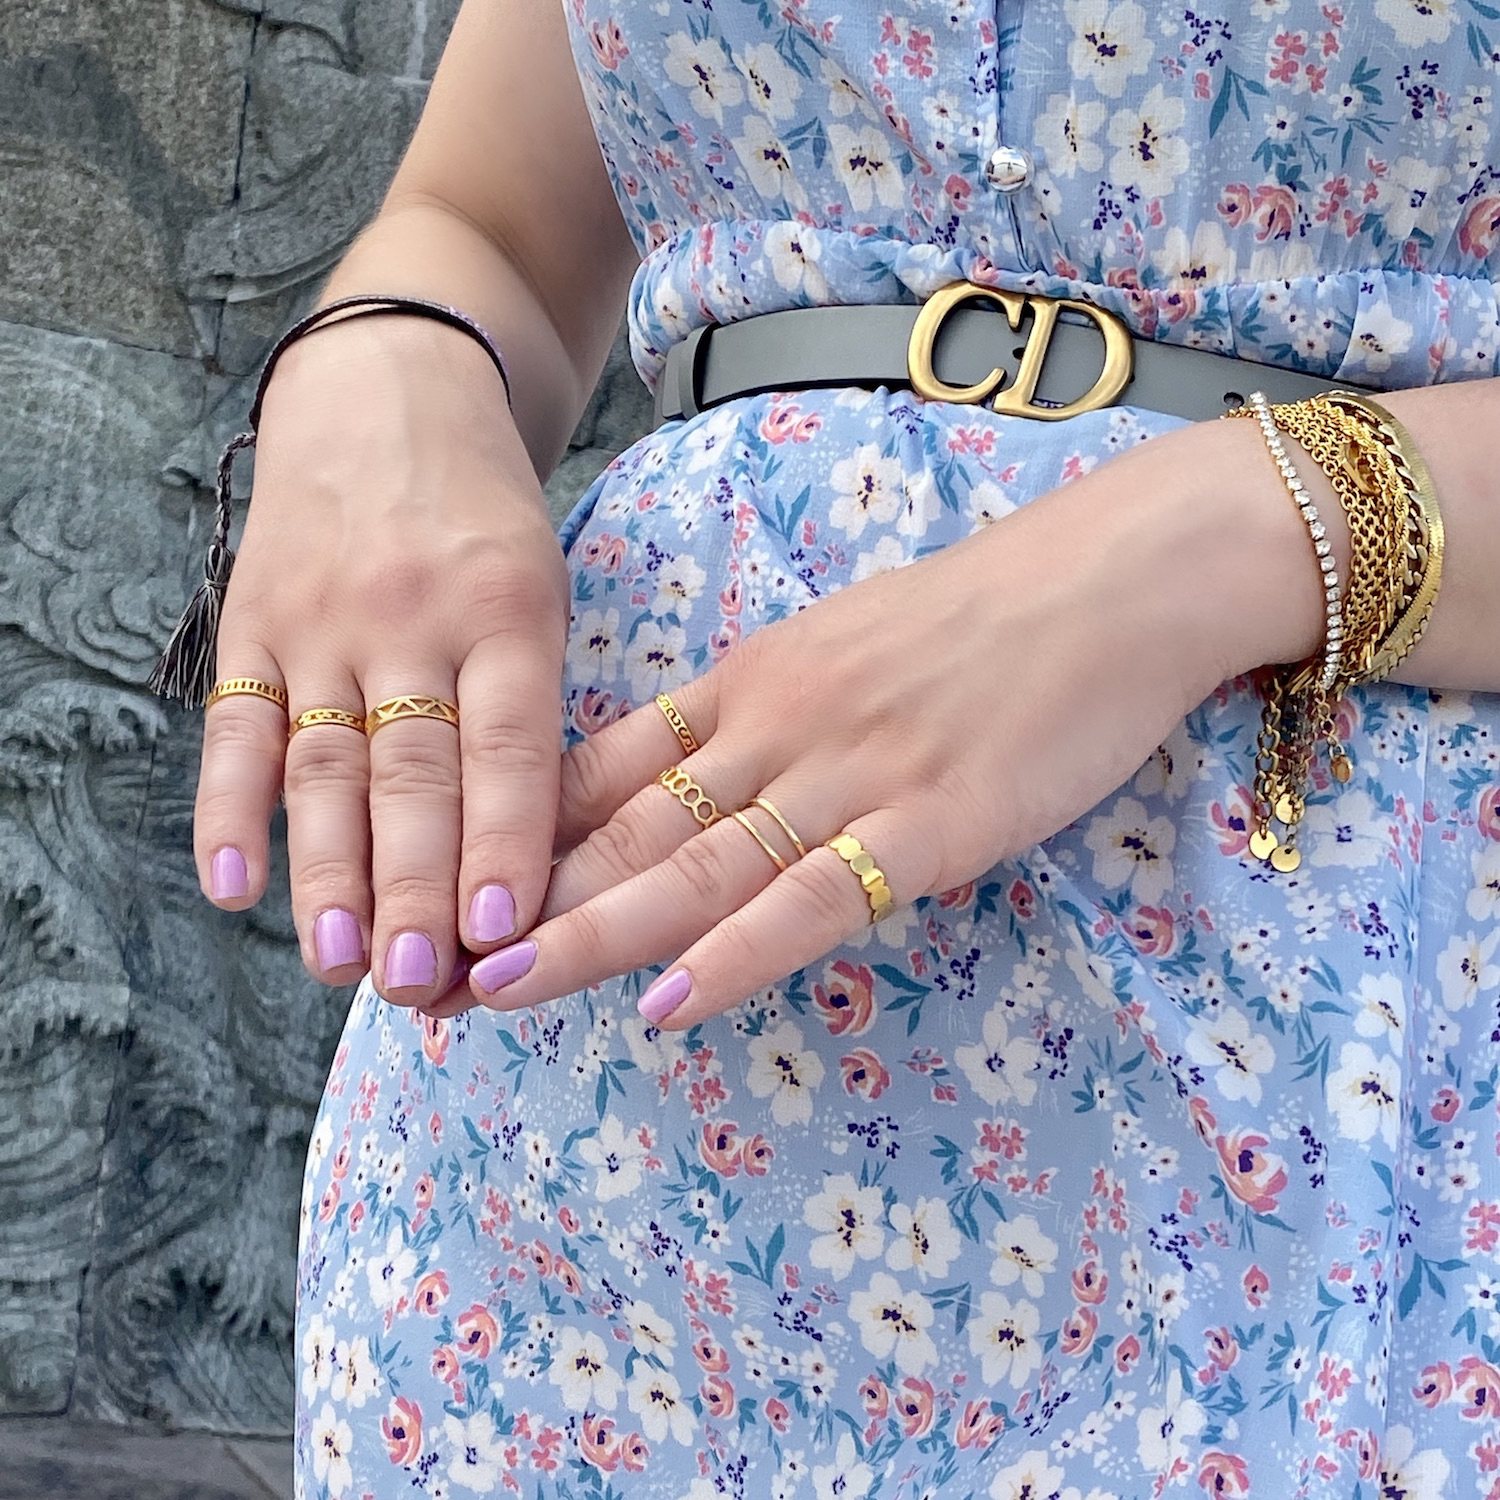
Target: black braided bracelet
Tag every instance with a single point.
(186, 668)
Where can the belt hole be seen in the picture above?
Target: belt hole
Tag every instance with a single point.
(1019, 352)
(1233, 399)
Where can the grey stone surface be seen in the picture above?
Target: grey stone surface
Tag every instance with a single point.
(175, 176)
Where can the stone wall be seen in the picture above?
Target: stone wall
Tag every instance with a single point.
(175, 177)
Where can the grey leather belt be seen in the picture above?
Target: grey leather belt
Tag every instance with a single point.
(1026, 355)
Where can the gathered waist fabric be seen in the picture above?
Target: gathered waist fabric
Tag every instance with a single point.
(1382, 327)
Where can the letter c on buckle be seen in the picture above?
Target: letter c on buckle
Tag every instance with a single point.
(1119, 353)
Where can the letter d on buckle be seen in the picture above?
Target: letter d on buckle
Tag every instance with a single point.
(1018, 400)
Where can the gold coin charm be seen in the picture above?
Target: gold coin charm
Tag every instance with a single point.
(1263, 843)
(1288, 808)
(1342, 768)
(1286, 858)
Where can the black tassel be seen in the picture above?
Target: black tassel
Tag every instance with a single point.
(186, 668)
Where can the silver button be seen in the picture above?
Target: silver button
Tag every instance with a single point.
(1008, 169)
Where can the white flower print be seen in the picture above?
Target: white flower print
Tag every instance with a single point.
(765, 157)
(390, 1274)
(1364, 1093)
(476, 1452)
(1379, 336)
(863, 160)
(656, 659)
(1031, 1477)
(785, 1072)
(1163, 1432)
(1382, 1008)
(1466, 968)
(1347, 831)
(618, 1157)
(705, 70)
(656, 1397)
(1065, 135)
(926, 1239)
(319, 1347)
(1132, 848)
(1239, 1053)
(847, 1477)
(844, 95)
(1410, 197)
(332, 1442)
(1206, 260)
(1149, 155)
(888, 555)
(893, 1323)
(1483, 904)
(595, 642)
(849, 1217)
(987, 503)
(650, 1332)
(358, 1376)
(1003, 1336)
(774, 88)
(1110, 45)
(867, 487)
(1411, 1474)
(582, 1372)
(1022, 1253)
(1418, 23)
(793, 251)
(999, 1068)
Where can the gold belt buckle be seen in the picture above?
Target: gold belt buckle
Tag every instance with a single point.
(1018, 399)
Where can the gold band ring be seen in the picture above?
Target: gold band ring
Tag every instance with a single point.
(340, 716)
(673, 716)
(410, 706)
(871, 877)
(754, 833)
(247, 687)
(786, 827)
(691, 795)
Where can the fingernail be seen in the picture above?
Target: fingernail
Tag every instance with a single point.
(338, 940)
(504, 967)
(492, 914)
(665, 995)
(460, 974)
(228, 876)
(410, 962)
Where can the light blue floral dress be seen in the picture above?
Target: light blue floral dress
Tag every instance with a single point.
(1132, 1168)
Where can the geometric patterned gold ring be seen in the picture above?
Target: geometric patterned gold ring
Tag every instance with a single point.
(410, 706)
(691, 795)
(340, 716)
(877, 892)
(673, 715)
(252, 687)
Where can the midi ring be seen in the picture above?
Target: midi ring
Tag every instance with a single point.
(755, 833)
(340, 716)
(871, 877)
(691, 795)
(246, 687)
(673, 716)
(786, 828)
(410, 706)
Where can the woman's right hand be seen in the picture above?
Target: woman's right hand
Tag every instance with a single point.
(398, 543)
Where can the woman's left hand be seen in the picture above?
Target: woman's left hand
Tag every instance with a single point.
(947, 715)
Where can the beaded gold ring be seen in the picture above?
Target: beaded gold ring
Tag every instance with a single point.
(871, 877)
(315, 716)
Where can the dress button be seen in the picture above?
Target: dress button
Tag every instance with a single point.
(1008, 169)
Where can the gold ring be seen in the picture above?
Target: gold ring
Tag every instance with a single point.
(786, 827)
(691, 795)
(250, 687)
(871, 877)
(754, 833)
(410, 706)
(673, 716)
(340, 716)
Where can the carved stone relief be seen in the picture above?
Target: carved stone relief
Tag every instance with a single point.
(175, 176)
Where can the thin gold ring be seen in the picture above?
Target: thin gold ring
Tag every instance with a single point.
(673, 716)
(410, 706)
(871, 877)
(786, 827)
(754, 833)
(247, 687)
(691, 795)
(340, 716)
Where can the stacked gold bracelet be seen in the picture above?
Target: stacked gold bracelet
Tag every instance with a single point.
(1395, 569)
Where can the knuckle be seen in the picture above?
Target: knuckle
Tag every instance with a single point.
(414, 898)
(323, 877)
(236, 730)
(832, 896)
(701, 871)
(420, 765)
(622, 846)
(324, 762)
(586, 779)
(491, 744)
(406, 583)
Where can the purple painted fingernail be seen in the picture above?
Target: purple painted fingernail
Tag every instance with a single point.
(665, 995)
(338, 940)
(228, 877)
(504, 967)
(492, 914)
(410, 962)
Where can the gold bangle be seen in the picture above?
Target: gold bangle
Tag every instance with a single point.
(786, 827)
(340, 716)
(673, 716)
(691, 795)
(246, 687)
(410, 706)
(871, 877)
(755, 833)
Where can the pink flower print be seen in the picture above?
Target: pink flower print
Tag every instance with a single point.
(1256, 1286)
(598, 1448)
(710, 1355)
(1127, 1354)
(1488, 816)
(431, 1293)
(1078, 1332)
(864, 1074)
(718, 1397)
(1223, 1347)
(1478, 1384)
(402, 1430)
(1434, 1386)
(778, 1414)
(979, 1426)
(1445, 1105)
(477, 1332)
(1254, 1175)
(1090, 1283)
(847, 1004)
(915, 1404)
(756, 1156)
(1223, 1474)
(1152, 931)
(719, 1146)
